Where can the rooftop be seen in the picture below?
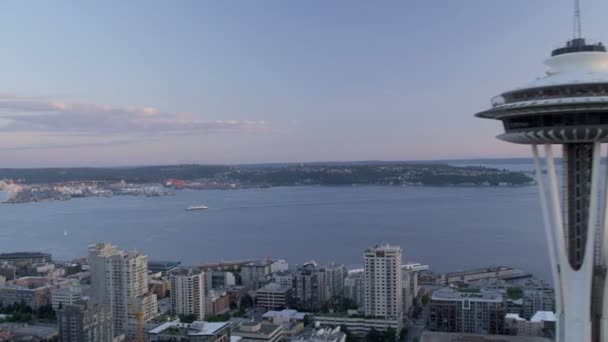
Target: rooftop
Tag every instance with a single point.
(196, 328)
(434, 336)
(274, 287)
(285, 314)
(449, 294)
(543, 316)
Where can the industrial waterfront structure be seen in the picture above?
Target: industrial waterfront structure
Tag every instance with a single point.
(569, 107)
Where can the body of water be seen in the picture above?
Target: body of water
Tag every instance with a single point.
(450, 228)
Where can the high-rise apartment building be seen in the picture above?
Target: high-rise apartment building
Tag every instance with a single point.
(188, 293)
(309, 286)
(334, 279)
(354, 287)
(85, 321)
(383, 282)
(120, 280)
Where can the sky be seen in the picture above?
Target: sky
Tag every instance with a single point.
(111, 83)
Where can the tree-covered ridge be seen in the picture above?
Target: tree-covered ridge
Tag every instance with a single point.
(282, 175)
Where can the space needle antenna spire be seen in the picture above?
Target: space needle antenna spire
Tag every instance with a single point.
(577, 19)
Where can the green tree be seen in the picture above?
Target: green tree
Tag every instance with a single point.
(403, 334)
(390, 335)
(349, 335)
(374, 336)
(218, 318)
(247, 301)
(415, 339)
(425, 299)
(515, 292)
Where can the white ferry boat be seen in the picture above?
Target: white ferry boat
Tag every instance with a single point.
(197, 207)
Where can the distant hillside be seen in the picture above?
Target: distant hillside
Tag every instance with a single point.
(378, 173)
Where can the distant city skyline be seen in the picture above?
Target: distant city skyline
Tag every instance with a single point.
(140, 83)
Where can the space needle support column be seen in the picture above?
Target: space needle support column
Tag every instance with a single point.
(551, 244)
(603, 259)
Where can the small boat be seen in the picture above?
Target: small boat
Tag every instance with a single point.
(197, 207)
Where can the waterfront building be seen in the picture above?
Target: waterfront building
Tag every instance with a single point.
(119, 279)
(477, 312)
(85, 321)
(258, 332)
(188, 293)
(383, 282)
(197, 331)
(65, 296)
(498, 272)
(256, 274)
(310, 287)
(164, 267)
(415, 267)
(354, 287)
(537, 296)
(275, 297)
(334, 279)
(26, 258)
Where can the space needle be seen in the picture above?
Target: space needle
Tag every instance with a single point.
(568, 107)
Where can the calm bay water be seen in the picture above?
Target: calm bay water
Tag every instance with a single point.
(450, 228)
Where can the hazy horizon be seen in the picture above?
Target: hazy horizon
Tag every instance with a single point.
(156, 83)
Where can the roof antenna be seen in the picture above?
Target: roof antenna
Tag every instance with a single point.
(577, 19)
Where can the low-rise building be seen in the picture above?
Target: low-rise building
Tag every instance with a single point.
(33, 291)
(542, 323)
(197, 331)
(434, 336)
(65, 296)
(258, 332)
(279, 317)
(8, 271)
(217, 303)
(275, 297)
(321, 335)
(478, 312)
(359, 325)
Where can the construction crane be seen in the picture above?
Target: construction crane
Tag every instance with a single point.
(139, 316)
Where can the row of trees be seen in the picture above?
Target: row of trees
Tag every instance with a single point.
(20, 312)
